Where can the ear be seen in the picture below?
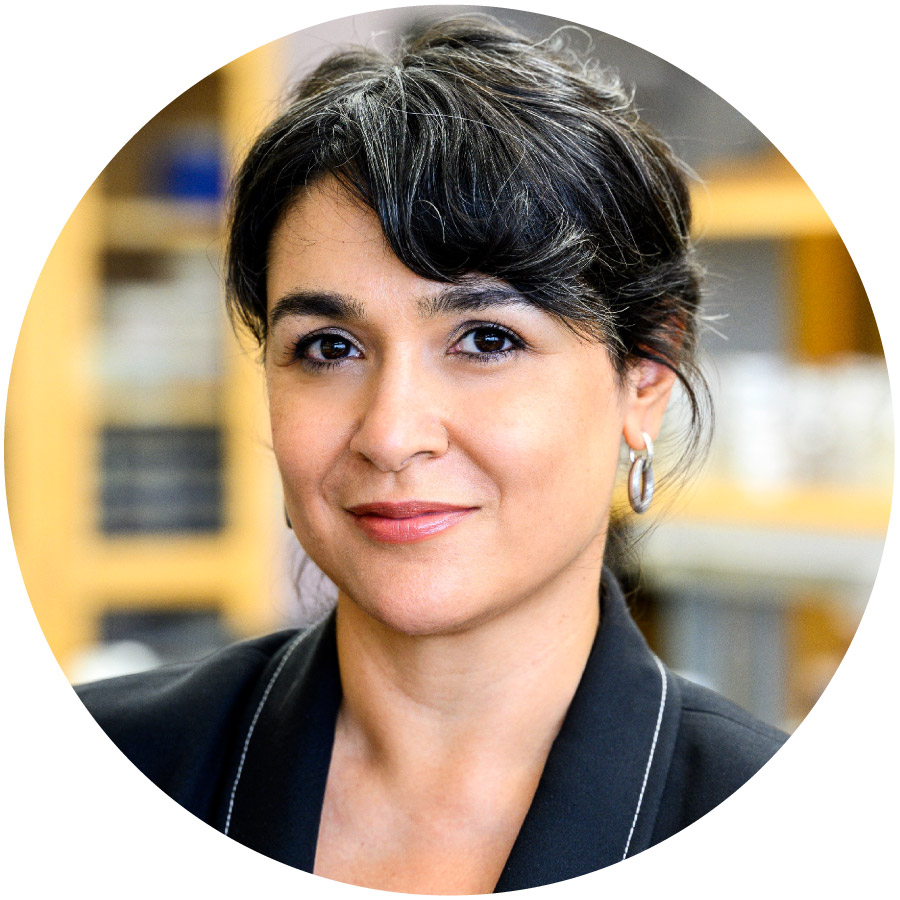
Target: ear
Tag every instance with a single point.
(649, 388)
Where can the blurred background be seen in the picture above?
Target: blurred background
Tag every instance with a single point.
(144, 497)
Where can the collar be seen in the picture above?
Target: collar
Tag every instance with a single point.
(596, 801)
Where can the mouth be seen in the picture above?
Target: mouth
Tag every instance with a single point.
(408, 521)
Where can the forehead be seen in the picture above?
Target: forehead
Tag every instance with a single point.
(329, 240)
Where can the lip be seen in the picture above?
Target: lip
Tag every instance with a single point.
(407, 521)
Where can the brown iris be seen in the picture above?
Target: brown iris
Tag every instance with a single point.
(334, 347)
(488, 340)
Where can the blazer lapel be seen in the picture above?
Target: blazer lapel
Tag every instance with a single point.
(600, 790)
(273, 802)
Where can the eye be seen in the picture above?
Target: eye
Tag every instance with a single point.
(487, 340)
(328, 349)
(331, 346)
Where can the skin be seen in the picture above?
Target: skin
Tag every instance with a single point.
(459, 654)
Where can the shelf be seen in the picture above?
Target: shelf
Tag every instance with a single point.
(757, 200)
(172, 572)
(172, 403)
(741, 563)
(156, 570)
(61, 402)
(162, 225)
(827, 509)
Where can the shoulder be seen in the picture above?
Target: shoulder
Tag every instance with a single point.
(175, 723)
(710, 724)
(718, 748)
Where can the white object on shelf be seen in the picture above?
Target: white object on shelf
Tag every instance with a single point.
(158, 332)
(680, 554)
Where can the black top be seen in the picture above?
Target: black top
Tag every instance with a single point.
(243, 740)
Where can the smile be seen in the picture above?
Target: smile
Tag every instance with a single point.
(407, 522)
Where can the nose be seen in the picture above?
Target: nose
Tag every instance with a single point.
(402, 418)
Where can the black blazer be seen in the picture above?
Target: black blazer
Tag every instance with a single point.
(243, 740)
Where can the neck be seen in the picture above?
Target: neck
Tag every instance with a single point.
(489, 698)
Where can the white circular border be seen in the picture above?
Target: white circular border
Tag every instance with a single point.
(80, 79)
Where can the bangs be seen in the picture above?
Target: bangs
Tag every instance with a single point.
(482, 153)
(461, 185)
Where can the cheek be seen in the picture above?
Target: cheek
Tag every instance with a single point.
(306, 439)
(553, 449)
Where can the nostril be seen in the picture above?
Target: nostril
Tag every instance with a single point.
(393, 444)
(402, 422)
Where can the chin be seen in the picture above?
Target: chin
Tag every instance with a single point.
(417, 613)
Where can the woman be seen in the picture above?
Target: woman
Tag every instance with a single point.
(468, 265)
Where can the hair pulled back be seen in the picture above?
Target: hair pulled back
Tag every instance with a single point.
(483, 152)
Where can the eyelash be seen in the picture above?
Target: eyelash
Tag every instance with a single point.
(303, 343)
(489, 357)
(299, 347)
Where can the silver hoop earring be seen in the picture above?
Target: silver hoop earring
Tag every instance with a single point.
(640, 476)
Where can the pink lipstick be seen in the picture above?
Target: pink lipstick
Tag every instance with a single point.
(407, 522)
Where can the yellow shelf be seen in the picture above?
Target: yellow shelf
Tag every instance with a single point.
(58, 400)
(151, 569)
(766, 199)
(173, 403)
(161, 225)
(815, 509)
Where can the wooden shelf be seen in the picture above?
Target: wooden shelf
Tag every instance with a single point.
(765, 199)
(811, 509)
(149, 569)
(173, 403)
(160, 225)
(58, 400)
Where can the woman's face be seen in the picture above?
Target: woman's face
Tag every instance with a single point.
(447, 452)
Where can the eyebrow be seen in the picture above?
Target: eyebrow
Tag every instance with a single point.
(327, 304)
(470, 297)
(454, 298)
